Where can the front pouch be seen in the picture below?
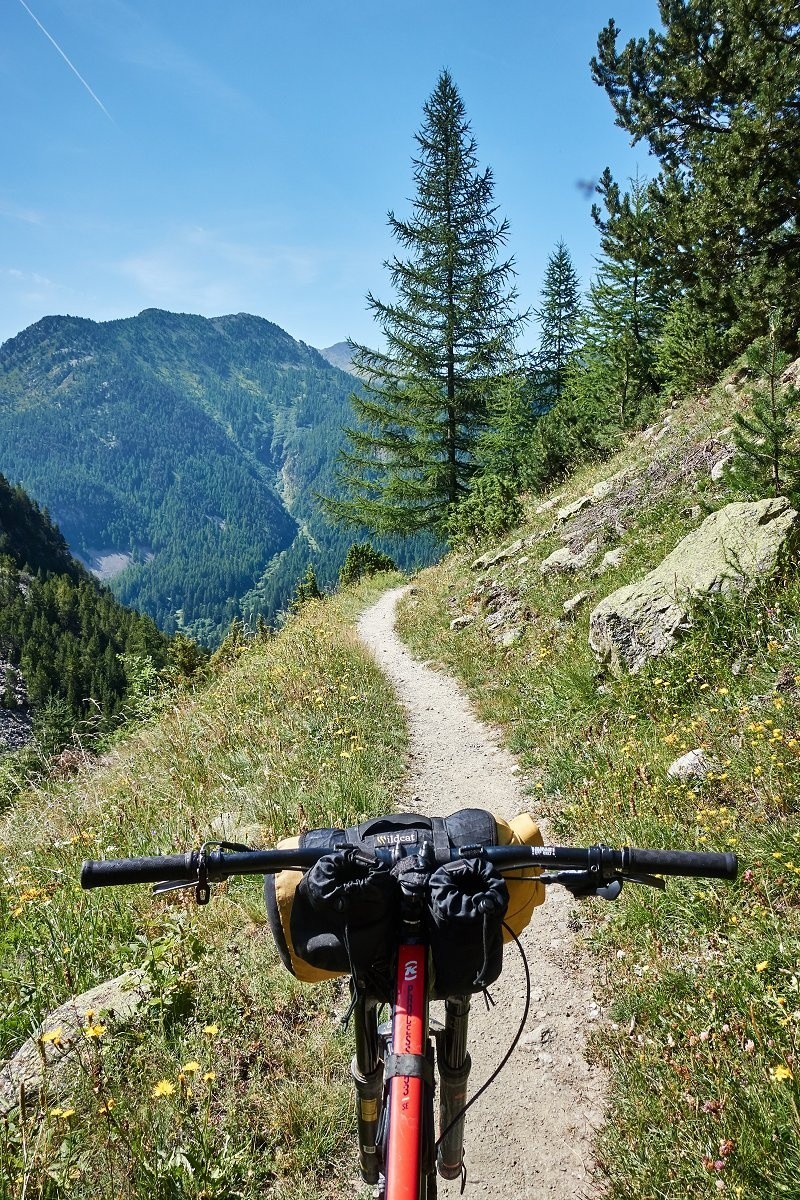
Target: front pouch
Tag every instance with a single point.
(347, 918)
(468, 900)
(339, 918)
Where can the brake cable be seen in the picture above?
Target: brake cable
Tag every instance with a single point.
(488, 1083)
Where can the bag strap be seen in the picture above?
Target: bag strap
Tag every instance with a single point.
(415, 1065)
(385, 827)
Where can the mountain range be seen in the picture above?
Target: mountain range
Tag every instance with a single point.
(181, 457)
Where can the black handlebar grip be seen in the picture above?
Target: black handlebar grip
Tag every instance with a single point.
(112, 871)
(682, 862)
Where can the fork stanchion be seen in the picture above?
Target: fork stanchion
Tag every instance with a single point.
(369, 1089)
(366, 1070)
(454, 1068)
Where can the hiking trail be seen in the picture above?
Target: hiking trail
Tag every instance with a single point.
(531, 1134)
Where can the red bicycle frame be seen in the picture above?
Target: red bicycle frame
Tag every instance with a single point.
(409, 1036)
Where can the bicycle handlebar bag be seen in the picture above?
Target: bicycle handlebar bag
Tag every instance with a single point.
(317, 942)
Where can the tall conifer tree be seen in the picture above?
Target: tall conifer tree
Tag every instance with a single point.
(626, 303)
(560, 316)
(716, 95)
(447, 334)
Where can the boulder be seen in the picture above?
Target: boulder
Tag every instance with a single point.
(37, 1067)
(496, 556)
(566, 560)
(731, 550)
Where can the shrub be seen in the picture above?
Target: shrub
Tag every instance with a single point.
(363, 559)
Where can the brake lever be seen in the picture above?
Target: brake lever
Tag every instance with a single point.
(583, 884)
(654, 881)
(201, 885)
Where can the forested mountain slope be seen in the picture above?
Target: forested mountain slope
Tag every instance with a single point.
(180, 456)
(63, 638)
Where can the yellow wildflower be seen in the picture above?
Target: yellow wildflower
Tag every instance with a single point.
(52, 1035)
(190, 1067)
(164, 1087)
(95, 1031)
(762, 966)
(780, 1073)
(211, 1030)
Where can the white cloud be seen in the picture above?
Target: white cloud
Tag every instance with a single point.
(201, 268)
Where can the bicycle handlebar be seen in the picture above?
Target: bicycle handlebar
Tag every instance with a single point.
(214, 865)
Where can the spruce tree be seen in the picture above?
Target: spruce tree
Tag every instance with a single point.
(560, 318)
(447, 334)
(766, 435)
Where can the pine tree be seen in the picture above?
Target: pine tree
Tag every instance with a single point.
(560, 319)
(447, 334)
(715, 96)
(766, 436)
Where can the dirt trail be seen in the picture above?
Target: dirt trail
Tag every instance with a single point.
(531, 1134)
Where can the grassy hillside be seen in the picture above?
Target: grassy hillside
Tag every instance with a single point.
(701, 981)
(297, 731)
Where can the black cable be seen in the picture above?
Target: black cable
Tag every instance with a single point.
(508, 1052)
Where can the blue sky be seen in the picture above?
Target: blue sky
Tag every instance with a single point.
(241, 156)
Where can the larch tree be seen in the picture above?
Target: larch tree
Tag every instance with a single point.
(448, 334)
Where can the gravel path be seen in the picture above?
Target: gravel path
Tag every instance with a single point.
(530, 1136)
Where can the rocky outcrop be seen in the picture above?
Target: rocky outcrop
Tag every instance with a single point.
(732, 549)
(37, 1068)
(16, 726)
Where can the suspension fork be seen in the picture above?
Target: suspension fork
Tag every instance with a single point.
(454, 1067)
(367, 1072)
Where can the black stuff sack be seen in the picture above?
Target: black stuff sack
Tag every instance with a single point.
(468, 900)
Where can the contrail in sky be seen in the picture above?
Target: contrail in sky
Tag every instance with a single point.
(71, 66)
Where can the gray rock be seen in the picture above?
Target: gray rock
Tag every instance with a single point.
(731, 550)
(694, 765)
(548, 504)
(572, 605)
(511, 636)
(462, 622)
(37, 1067)
(718, 469)
(489, 559)
(566, 560)
(611, 559)
(603, 488)
(570, 510)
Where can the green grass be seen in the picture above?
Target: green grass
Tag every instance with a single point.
(701, 981)
(299, 731)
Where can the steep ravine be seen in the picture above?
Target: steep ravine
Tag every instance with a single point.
(531, 1134)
